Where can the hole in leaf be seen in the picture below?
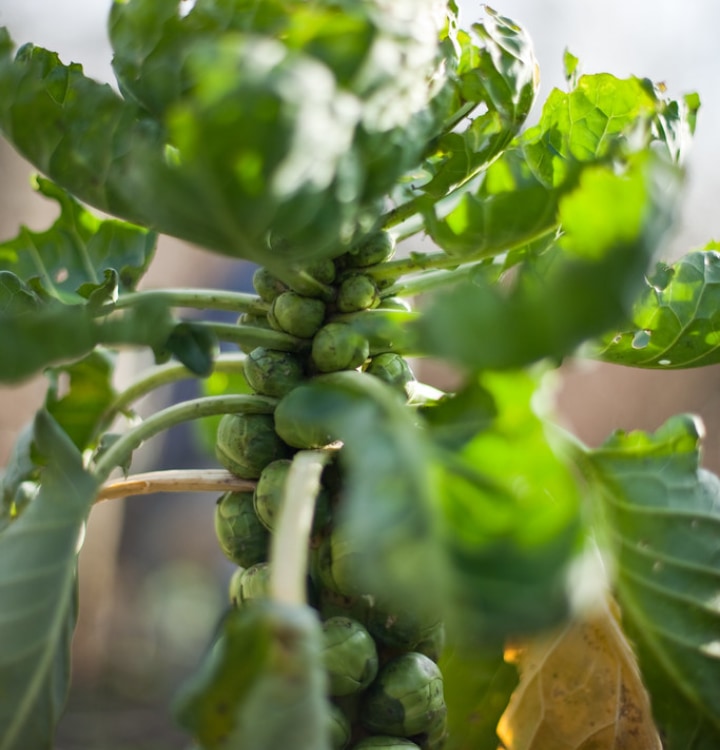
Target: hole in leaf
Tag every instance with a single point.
(61, 275)
(641, 339)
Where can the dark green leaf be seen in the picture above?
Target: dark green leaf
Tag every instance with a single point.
(21, 467)
(576, 288)
(38, 554)
(674, 322)
(193, 346)
(75, 252)
(510, 508)
(477, 685)
(53, 332)
(263, 685)
(662, 522)
(79, 395)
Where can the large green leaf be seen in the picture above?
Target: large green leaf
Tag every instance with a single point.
(263, 684)
(510, 507)
(674, 321)
(662, 524)
(573, 289)
(38, 554)
(70, 257)
(495, 70)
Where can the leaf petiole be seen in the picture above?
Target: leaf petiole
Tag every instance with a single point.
(202, 299)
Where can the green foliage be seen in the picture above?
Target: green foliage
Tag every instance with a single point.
(311, 137)
(662, 524)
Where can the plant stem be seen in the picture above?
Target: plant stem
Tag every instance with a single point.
(121, 451)
(253, 336)
(429, 281)
(166, 374)
(191, 480)
(289, 546)
(202, 299)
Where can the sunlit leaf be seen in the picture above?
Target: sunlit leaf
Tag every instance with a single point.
(662, 523)
(675, 320)
(580, 689)
(38, 554)
(73, 254)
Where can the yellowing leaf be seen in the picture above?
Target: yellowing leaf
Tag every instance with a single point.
(580, 689)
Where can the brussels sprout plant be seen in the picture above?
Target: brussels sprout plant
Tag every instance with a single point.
(453, 530)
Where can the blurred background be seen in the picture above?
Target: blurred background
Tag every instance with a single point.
(153, 581)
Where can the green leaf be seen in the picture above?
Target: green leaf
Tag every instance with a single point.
(477, 686)
(674, 321)
(50, 332)
(266, 664)
(192, 345)
(79, 395)
(495, 69)
(71, 257)
(21, 467)
(569, 291)
(510, 508)
(38, 554)
(661, 516)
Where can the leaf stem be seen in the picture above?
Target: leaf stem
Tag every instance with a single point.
(289, 545)
(166, 374)
(190, 480)
(253, 336)
(202, 299)
(121, 451)
(428, 281)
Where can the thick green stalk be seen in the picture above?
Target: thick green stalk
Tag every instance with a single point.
(208, 406)
(429, 281)
(253, 336)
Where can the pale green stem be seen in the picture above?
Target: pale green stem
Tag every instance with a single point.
(289, 545)
(202, 299)
(167, 374)
(428, 281)
(252, 336)
(121, 451)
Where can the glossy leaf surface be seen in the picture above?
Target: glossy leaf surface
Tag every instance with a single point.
(663, 525)
(37, 593)
(675, 320)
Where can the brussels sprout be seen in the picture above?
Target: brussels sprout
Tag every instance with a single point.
(375, 248)
(337, 564)
(338, 347)
(247, 443)
(401, 627)
(312, 279)
(297, 315)
(386, 743)
(433, 643)
(349, 655)
(267, 285)
(242, 537)
(252, 583)
(406, 698)
(269, 491)
(340, 729)
(271, 372)
(357, 292)
(392, 369)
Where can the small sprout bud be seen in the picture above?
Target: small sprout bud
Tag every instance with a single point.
(357, 292)
(297, 315)
(271, 372)
(270, 490)
(247, 443)
(392, 369)
(338, 347)
(340, 729)
(349, 655)
(375, 248)
(406, 699)
(252, 583)
(267, 285)
(312, 279)
(242, 537)
(385, 742)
